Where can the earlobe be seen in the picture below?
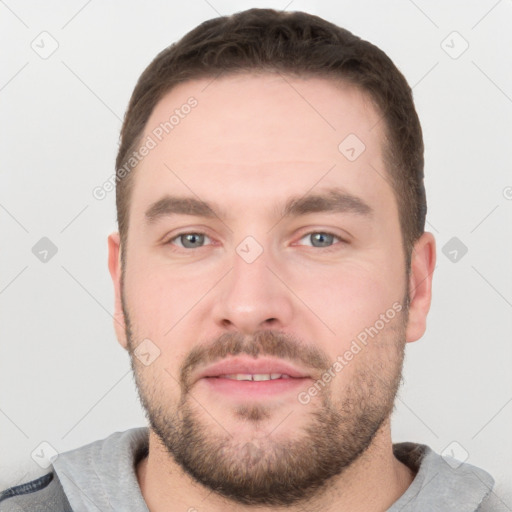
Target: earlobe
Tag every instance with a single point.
(423, 261)
(114, 267)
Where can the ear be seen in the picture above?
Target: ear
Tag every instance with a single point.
(114, 267)
(423, 262)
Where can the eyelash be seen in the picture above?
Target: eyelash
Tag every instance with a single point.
(325, 249)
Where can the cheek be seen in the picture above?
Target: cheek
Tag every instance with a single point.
(156, 305)
(161, 297)
(365, 311)
(352, 298)
(149, 297)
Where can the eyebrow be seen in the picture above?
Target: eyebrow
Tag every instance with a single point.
(331, 201)
(174, 205)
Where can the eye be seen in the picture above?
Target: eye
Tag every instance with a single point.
(189, 240)
(321, 239)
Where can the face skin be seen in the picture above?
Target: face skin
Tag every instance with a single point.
(286, 295)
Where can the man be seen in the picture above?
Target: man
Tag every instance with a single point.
(270, 266)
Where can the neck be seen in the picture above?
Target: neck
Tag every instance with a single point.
(373, 482)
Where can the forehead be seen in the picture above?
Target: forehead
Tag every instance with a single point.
(262, 134)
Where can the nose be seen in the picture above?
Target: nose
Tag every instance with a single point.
(253, 297)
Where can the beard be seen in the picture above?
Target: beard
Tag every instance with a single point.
(274, 470)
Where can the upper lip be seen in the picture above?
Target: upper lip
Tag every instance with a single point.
(247, 365)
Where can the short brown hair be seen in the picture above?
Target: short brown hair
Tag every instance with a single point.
(297, 44)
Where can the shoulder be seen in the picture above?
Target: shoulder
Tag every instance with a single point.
(443, 483)
(44, 494)
(499, 499)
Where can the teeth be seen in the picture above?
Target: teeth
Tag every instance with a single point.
(238, 376)
(255, 376)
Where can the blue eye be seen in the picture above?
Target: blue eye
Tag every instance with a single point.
(317, 239)
(321, 239)
(189, 240)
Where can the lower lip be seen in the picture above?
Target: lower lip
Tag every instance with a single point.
(251, 388)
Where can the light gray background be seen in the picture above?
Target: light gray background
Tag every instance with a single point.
(64, 379)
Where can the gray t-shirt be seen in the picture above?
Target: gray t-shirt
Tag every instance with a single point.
(101, 476)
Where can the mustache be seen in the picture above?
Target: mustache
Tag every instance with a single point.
(261, 343)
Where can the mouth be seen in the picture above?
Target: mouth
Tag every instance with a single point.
(252, 378)
(258, 377)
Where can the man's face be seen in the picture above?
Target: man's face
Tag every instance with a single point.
(296, 264)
